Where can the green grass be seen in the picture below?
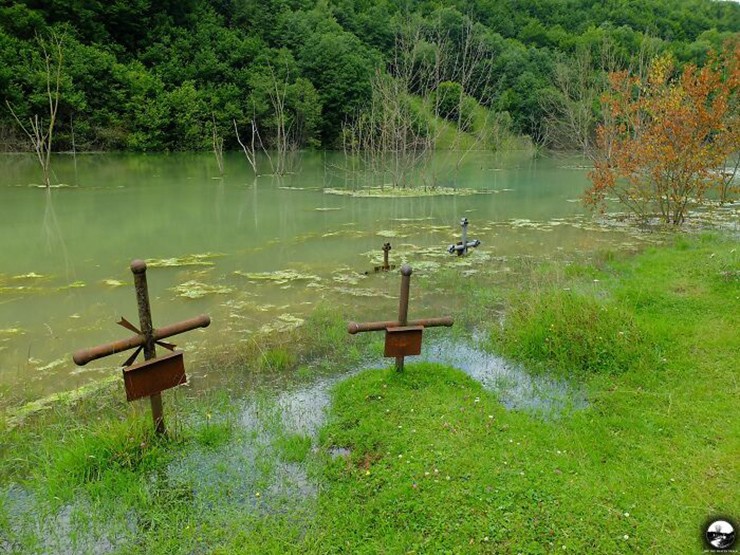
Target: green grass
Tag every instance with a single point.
(435, 463)
(572, 333)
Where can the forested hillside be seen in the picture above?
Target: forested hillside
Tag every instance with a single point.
(173, 74)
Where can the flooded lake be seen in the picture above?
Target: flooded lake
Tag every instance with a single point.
(257, 254)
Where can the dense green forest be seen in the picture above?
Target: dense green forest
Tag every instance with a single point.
(179, 74)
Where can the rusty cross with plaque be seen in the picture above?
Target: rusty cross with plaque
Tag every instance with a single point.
(155, 374)
(402, 337)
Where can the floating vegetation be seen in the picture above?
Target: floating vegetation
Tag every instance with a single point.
(402, 192)
(12, 331)
(198, 290)
(278, 277)
(43, 186)
(403, 220)
(113, 282)
(389, 233)
(284, 322)
(74, 285)
(30, 275)
(17, 416)
(17, 289)
(348, 279)
(53, 364)
(327, 209)
(203, 259)
(360, 292)
(426, 266)
(435, 228)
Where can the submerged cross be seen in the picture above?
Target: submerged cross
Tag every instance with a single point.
(154, 375)
(386, 265)
(462, 246)
(402, 337)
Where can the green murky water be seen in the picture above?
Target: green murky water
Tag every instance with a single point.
(257, 254)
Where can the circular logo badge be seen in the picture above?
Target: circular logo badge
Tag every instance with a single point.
(720, 534)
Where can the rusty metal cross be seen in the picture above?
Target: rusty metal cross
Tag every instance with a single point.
(154, 375)
(402, 337)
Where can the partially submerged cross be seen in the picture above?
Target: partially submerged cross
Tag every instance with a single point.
(154, 375)
(402, 337)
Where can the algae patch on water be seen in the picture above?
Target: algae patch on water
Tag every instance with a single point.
(279, 277)
(113, 282)
(202, 259)
(74, 285)
(198, 290)
(30, 275)
(284, 322)
(401, 192)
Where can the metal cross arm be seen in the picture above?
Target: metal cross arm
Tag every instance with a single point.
(83, 356)
(402, 336)
(155, 374)
(355, 327)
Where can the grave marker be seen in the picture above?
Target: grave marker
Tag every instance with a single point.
(154, 375)
(462, 246)
(402, 337)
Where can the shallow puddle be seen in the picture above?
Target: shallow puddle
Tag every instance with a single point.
(516, 388)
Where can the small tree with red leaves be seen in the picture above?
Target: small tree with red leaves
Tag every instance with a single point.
(665, 139)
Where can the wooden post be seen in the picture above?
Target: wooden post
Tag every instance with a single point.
(138, 268)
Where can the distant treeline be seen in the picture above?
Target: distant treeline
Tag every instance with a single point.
(153, 75)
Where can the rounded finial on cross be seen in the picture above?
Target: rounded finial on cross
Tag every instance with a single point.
(138, 266)
(406, 270)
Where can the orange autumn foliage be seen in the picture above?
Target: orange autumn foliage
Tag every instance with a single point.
(666, 139)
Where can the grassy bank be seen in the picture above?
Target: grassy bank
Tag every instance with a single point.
(427, 461)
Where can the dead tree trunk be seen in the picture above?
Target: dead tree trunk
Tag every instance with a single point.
(39, 132)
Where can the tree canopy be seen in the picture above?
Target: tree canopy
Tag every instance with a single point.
(146, 75)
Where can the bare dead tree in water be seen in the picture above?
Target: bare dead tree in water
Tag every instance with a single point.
(278, 92)
(217, 143)
(397, 134)
(571, 119)
(38, 131)
(250, 150)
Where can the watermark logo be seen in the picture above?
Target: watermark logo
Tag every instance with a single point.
(720, 534)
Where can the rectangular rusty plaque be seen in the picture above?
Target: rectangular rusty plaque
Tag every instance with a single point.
(403, 341)
(153, 376)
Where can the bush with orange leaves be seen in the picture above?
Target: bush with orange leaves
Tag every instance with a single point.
(667, 138)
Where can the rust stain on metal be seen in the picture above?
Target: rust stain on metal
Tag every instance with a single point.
(154, 376)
